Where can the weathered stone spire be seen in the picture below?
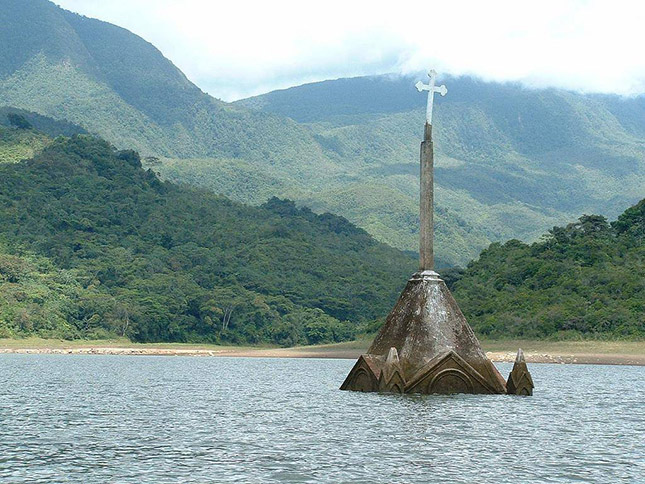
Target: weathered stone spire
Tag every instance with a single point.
(426, 344)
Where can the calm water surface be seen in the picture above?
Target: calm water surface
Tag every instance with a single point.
(180, 419)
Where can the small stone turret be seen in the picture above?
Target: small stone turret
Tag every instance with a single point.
(519, 381)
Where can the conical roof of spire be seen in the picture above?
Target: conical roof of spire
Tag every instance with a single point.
(427, 323)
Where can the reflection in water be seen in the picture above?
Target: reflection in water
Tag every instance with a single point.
(170, 419)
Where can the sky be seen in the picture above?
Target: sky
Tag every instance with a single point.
(236, 49)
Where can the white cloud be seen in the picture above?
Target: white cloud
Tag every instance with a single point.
(235, 49)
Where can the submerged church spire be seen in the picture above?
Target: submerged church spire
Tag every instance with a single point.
(426, 345)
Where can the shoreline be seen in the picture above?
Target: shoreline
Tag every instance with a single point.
(583, 352)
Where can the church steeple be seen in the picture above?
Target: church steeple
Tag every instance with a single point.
(426, 345)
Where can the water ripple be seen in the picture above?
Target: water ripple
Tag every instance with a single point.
(194, 420)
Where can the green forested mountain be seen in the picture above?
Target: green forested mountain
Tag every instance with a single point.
(587, 278)
(117, 85)
(93, 245)
(511, 161)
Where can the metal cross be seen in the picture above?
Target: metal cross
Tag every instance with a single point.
(430, 87)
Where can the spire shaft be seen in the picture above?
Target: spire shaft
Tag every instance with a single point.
(426, 210)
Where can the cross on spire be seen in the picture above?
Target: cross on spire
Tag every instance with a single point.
(430, 87)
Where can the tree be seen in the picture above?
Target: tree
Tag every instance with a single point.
(18, 121)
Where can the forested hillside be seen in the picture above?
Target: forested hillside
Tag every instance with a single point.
(117, 85)
(93, 245)
(24, 134)
(584, 279)
(44, 124)
(20, 144)
(511, 162)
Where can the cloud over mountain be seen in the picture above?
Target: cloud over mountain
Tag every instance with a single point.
(237, 49)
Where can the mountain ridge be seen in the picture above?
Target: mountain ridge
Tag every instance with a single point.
(511, 162)
(539, 154)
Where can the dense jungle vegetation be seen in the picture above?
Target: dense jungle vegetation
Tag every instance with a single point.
(585, 279)
(94, 246)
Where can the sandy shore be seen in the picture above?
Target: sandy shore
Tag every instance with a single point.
(587, 352)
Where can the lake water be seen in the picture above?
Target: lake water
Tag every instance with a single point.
(181, 419)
